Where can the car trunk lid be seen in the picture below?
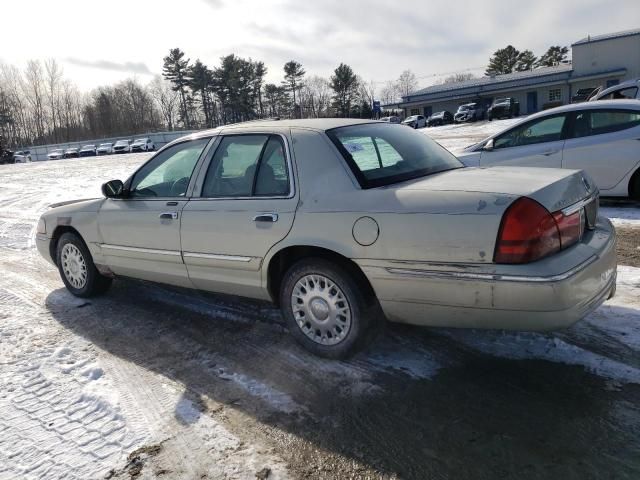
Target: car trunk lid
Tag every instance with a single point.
(554, 188)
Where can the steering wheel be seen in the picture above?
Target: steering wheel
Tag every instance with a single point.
(179, 187)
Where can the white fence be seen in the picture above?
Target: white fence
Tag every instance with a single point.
(159, 139)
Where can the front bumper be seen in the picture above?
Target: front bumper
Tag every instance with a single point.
(532, 297)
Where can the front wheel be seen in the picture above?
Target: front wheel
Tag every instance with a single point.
(78, 272)
(325, 308)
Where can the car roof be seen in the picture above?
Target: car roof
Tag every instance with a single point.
(619, 86)
(319, 124)
(631, 104)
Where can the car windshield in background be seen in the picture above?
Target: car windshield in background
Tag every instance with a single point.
(105, 144)
(380, 154)
(501, 100)
(122, 142)
(464, 108)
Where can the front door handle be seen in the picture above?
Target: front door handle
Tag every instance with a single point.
(550, 152)
(170, 215)
(266, 217)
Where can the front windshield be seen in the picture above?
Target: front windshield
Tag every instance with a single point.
(501, 100)
(382, 154)
(89, 147)
(105, 144)
(464, 108)
(121, 142)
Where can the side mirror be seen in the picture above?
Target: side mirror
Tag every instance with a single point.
(488, 146)
(113, 189)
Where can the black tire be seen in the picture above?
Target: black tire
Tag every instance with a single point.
(365, 312)
(634, 186)
(95, 283)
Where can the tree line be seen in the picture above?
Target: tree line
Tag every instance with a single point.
(509, 59)
(236, 90)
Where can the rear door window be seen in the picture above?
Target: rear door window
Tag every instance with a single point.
(598, 122)
(248, 165)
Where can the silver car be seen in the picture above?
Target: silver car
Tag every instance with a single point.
(344, 223)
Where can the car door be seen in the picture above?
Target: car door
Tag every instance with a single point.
(537, 143)
(246, 205)
(141, 232)
(605, 143)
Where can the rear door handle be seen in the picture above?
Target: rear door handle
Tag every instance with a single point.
(170, 215)
(550, 152)
(266, 217)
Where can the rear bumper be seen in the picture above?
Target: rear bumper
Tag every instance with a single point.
(487, 297)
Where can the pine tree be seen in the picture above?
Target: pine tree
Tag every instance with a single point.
(176, 70)
(526, 61)
(553, 56)
(260, 72)
(293, 73)
(200, 79)
(503, 61)
(344, 83)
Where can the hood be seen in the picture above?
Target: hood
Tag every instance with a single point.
(70, 202)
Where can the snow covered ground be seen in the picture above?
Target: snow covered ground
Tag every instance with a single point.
(151, 380)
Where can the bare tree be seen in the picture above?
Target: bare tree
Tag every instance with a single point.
(166, 99)
(389, 93)
(53, 79)
(407, 83)
(315, 97)
(456, 78)
(34, 90)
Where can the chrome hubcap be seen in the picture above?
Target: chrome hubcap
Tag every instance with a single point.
(321, 309)
(74, 266)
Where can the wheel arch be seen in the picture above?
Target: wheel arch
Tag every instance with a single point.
(634, 185)
(57, 233)
(283, 259)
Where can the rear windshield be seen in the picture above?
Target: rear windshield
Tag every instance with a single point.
(382, 154)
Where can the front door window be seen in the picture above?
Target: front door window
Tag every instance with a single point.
(169, 172)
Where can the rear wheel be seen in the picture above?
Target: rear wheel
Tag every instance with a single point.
(78, 272)
(634, 186)
(325, 308)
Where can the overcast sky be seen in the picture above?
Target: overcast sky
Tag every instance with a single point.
(103, 42)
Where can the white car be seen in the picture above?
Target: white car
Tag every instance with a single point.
(122, 146)
(142, 145)
(628, 90)
(56, 154)
(415, 121)
(602, 138)
(22, 156)
(104, 149)
(391, 119)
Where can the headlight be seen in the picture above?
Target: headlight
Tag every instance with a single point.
(42, 226)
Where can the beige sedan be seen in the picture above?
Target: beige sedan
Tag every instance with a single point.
(344, 223)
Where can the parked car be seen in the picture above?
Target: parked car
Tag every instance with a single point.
(122, 146)
(415, 121)
(391, 119)
(104, 149)
(623, 91)
(22, 156)
(368, 221)
(6, 156)
(56, 154)
(507, 107)
(71, 153)
(142, 145)
(583, 94)
(600, 138)
(469, 112)
(440, 118)
(88, 151)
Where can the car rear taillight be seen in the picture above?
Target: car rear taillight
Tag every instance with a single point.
(571, 227)
(529, 232)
